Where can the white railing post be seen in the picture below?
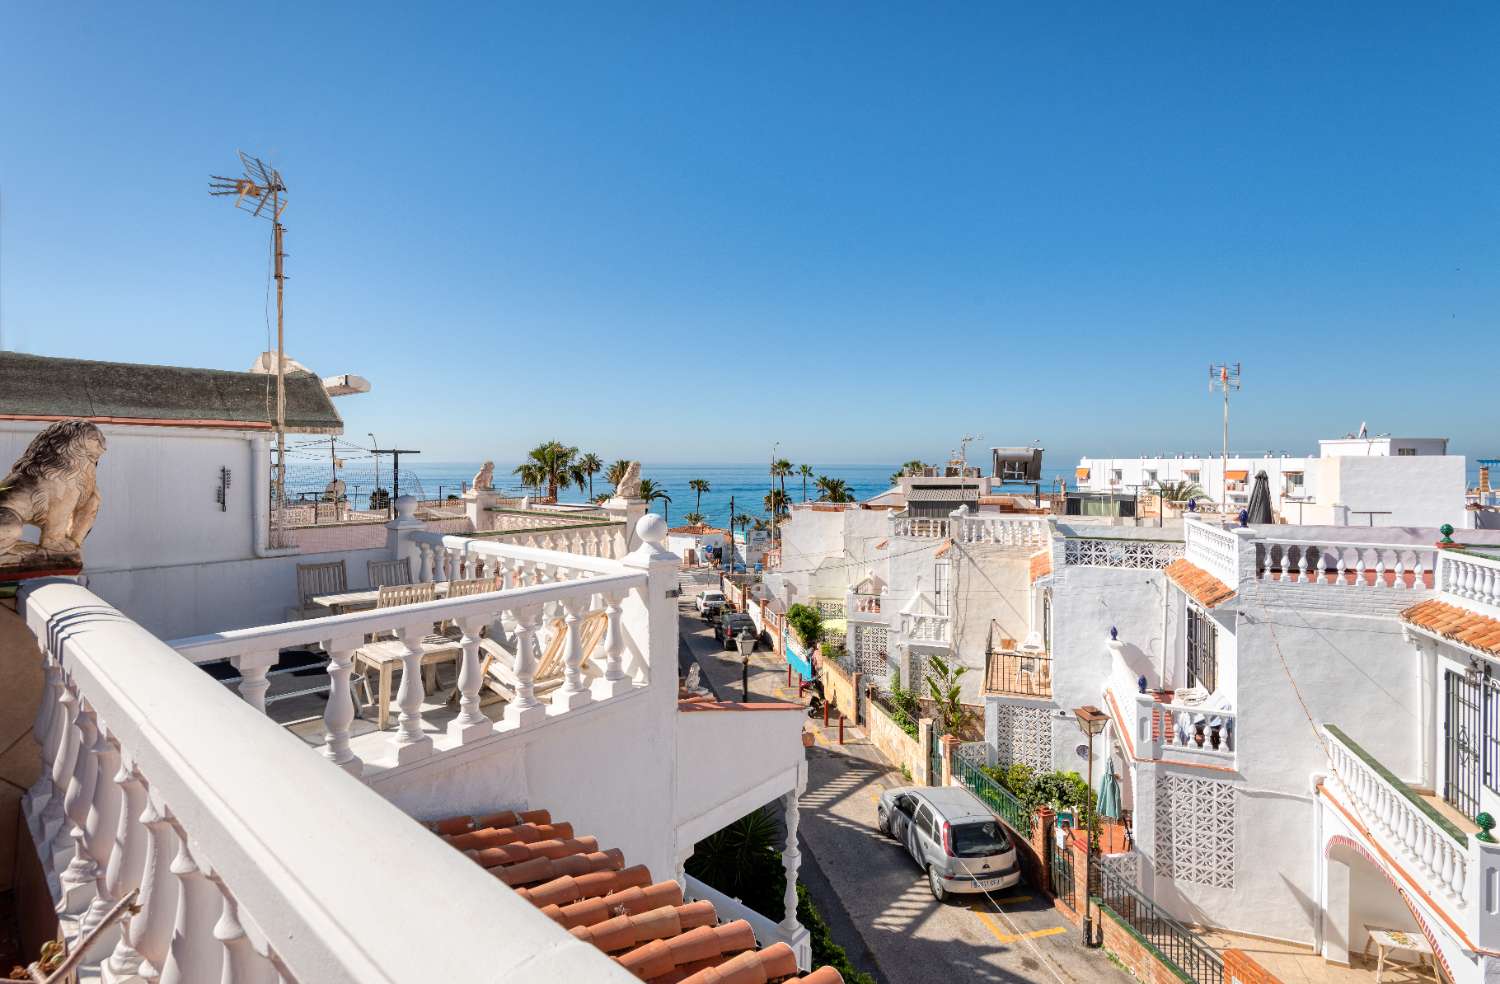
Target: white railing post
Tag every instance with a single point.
(145, 951)
(242, 963)
(614, 682)
(409, 742)
(194, 956)
(101, 828)
(526, 710)
(471, 724)
(253, 667)
(127, 860)
(649, 613)
(338, 712)
(78, 878)
(573, 693)
(53, 819)
(398, 535)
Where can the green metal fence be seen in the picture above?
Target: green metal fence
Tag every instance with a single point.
(967, 762)
(1170, 939)
(1062, 873)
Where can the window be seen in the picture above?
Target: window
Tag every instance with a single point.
(1202, 651)
(1150, 476)
(979, 840)
(1406, 452)
(1294, 480)
(1191, 475)
(940, 572)
(1115, 476)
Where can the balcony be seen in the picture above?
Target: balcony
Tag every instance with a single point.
(1213, 549)
(1470, 579)
(1028, 532)
(1012, 672)
(927, 629)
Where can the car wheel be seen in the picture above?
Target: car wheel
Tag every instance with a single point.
(938, 891)
(882, 821)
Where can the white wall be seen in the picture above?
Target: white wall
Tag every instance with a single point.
(1418, 490)
(157, 488)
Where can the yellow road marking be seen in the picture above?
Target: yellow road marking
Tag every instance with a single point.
(994, 929)
(1013, 898)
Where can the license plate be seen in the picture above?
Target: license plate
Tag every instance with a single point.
(989, 884)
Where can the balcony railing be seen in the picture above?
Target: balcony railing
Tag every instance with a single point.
(1214, 549)
(1431, 846)
(1470, 578)
(1018, 674)
(1187, 731)
(252, 858)
(859, 604)
(1107, 552)
(968, 763)
(1011, 531)
(934, 629)
(1379, 565)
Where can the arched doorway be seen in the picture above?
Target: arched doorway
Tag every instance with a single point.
(1358, 895)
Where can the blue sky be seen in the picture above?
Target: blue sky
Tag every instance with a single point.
(683, 232)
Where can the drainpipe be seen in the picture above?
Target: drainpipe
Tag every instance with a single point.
(1166, 596)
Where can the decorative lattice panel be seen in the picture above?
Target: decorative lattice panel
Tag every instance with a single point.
(870, 650)
(1023, 734)
(1195, 830)
(1147, 554)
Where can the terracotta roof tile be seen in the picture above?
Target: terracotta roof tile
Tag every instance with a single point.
(1041, 564)
(1458, 624)
(647, 927)
(1206, 589)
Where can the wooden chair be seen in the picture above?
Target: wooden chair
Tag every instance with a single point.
(384, 656)
(384, 572)
(498, 672)
(478, 585)
(392, 595)
(317, 579)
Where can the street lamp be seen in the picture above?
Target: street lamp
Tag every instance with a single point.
(1091, 722)
(746, 643)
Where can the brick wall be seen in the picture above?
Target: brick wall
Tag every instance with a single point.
(1239, 968)
(1139, 957)
(840, 688)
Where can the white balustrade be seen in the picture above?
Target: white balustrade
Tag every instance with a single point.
(926, 628)
(1214, 549)
(252, 856)
(1394, 815)
(1378, 565)
(1000, 529)
(1182, 731)
(1470, 577)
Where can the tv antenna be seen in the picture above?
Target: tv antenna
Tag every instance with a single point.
(261, 192)
(1224, 376)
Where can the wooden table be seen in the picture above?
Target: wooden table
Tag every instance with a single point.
(385, 657)
(1387, 940)
(358, 601)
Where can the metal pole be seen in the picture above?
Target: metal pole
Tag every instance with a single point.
(277, 234)
(1088, 862)
(731, 532)
(1224, 462)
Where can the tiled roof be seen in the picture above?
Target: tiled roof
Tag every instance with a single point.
(1206, 589)
(1459, 624)
(646, 926)
(1041, 564)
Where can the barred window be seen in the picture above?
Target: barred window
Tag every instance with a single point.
(1202, 651)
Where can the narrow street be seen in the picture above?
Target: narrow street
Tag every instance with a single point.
(869, 890)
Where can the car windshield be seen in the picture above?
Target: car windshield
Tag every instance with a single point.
(979, 840)
(713, 596)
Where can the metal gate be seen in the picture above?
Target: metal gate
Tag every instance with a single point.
(1062, 872)
(935, 758)
(1463, 729)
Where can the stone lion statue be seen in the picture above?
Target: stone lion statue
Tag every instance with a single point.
(51, 486)
(630, 485)
(484, 478)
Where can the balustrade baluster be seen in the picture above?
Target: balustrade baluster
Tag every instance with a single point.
(1419, 574)
(471, 724)
(409, 742)
(424, 564)
(1456, 880)
(1284, 553)
(1446, 876)
(1400, 569)
(101, 828)
(573, 692)
(54, 815)
(195, 956)
(1487, 588)
(78, 878)
(150, 937)
(1341, 568)
(525, 709)
(242, 963)
(53, 744)
(127, 861)
(253, 668)
(1379, 568)
(338, 712)
(1302, 565)
(615, 681)
(1359, 569)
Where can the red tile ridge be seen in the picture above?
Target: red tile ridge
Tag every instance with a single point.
(525, 833)
(773, 963)
(571, 888)
(515, 853)
(1206, 589)
(629, 901)
(1456, 624)
(539, 870)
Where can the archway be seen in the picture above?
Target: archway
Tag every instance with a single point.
(1359, 893)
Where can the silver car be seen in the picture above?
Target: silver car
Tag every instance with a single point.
(959, 843)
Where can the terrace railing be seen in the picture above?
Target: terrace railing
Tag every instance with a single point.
(1173, 942)
(1378, 565)
(156, 780)
(1212, 548)
(1018, 673)
(968, 761)
(1469, 577)
(1189, 731)
(935, 629)
(1014, 531)
(1109, 552)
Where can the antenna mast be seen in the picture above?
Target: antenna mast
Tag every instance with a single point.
(261, 192)
(1224, 376)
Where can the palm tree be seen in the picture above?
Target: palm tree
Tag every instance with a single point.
(616, 473)
(1180, 491)
(833, 490)
(743, 520)
(554, 464)
(944, 687)
(530, 475)
(591, 465)
(700, 486)
(651, 492)
(912, 467)
(780, 469)
(776, 502)
(693, 518)
(806, 471)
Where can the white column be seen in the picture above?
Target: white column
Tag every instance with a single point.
(338, 713)
(194, 956)
(101, 828)
(614, 682)
(791, 859)
(572, 693)
(253, 683)
(471, 724)
(409, 743)
(128, 860)
(78, 879)
(143, 951)
(647, 615)
(525, 710)
(242, 964)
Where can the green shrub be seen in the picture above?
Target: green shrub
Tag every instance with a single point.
(825, 952)
(905, 708)
(807, 622)
(743, 862)
(1059, 790)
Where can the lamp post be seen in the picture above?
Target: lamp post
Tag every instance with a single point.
(1091, 722)
(746, 643)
